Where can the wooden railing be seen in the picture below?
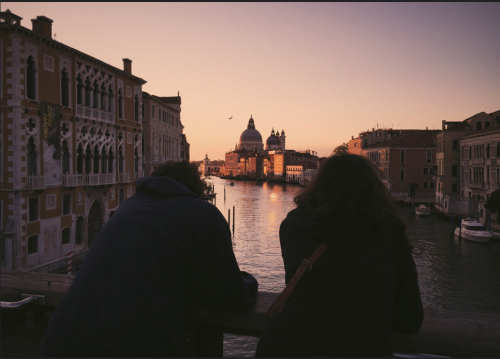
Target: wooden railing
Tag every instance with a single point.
(444, 332)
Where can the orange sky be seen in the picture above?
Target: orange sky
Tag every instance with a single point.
(321, 71)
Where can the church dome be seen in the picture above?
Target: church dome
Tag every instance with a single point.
(250, 134)
(272, 140)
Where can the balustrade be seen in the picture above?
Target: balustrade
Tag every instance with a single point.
(35, 182)
(123, 177)
(70, 180)
(476, 185)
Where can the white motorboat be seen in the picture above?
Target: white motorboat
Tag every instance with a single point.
(423, 210)
(473, 230)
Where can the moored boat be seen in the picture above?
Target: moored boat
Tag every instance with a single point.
(473, 230)
(423, 210)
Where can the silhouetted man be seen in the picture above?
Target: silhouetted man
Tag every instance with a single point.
(163, 252)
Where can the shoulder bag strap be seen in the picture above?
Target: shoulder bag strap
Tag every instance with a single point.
(304, 267)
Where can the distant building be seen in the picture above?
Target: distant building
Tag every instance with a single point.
(71, 146)
(163, 131)
(479, 161)
(208, 167)
(301, 172)
(447, 173)
(184, 148)
(408, 158)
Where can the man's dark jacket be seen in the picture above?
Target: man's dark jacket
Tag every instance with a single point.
(163, 251)
(363, 287)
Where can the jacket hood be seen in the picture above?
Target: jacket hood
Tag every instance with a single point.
(326, 229)
(163, 187)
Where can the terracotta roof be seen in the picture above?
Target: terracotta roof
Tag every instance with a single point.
(459, 126)
(414, 139)
(482, 132)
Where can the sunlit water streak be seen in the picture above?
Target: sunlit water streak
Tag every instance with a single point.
(453, 274)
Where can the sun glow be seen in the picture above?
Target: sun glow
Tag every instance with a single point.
(273, 197)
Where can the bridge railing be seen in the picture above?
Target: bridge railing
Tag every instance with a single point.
(444, 332)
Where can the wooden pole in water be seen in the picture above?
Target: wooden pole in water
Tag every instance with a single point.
(224, 193)
(233, 217)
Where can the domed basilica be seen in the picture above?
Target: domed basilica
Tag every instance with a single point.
(251, 140)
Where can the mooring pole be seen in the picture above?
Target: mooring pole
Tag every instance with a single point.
(233, 218)
(224, 193)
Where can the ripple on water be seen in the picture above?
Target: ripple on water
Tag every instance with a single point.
(453, 274)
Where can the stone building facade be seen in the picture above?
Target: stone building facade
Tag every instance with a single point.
(406, 159)
(163, 131)
(71, 144)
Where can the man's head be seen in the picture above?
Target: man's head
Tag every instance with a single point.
(183, 172)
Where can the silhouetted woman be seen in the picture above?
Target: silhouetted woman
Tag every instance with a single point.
(363, 286)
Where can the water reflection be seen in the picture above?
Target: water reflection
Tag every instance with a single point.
(453, 274)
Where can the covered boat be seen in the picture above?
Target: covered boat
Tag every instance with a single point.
(473, 230)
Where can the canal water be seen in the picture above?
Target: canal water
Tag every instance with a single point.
(453, 274)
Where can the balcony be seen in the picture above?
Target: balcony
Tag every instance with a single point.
(94, 179)
(490, 186)
(477, 162)
(35, 182)
(123, 177)
(70, 180)
(476, 185)
(106, 178)
(94, 113)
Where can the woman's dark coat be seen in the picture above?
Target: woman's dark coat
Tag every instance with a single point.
(361, 288)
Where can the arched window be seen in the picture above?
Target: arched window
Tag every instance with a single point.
(120, 104)
(88, 160)
(66, 234)
(136, 108)
(65, 158)
(79, 90)
(33, 244)
(31, 79)
(470, 175)
(488, 151)
(470, 152)
(498, 149)
(104, 160)
(463, 154)
(31, 148)
(97, 157)
(110, 99)
(88, 88)
(111, 158)
(95, 98)
(103, 97)
(402, 156)
(79, 159)
(120, 160)
(64, 87)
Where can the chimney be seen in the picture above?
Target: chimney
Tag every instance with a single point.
(127, 66)
(42, 25)
(10, 18)
(352, 137)
(426, 128)
(373, 129)
(444, 125)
